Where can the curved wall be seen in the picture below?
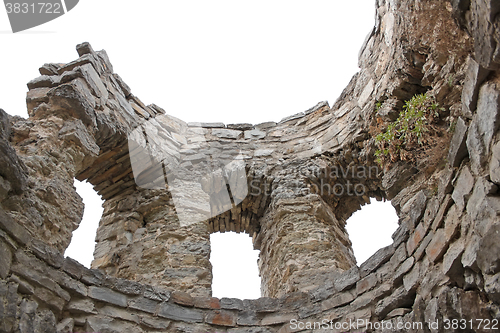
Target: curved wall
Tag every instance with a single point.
(151, 270)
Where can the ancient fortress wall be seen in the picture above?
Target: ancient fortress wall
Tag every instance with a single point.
(168, 184)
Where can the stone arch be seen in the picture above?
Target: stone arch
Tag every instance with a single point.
(444, 259)
(139, 209)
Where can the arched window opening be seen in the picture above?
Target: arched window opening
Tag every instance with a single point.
(234, 266)
(82, 243)
(371, 228)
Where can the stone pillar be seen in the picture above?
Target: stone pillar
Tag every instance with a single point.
(140, 238)
(301, 241)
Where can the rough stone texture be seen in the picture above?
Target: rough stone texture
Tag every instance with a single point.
(463, 188)
(151, 270)
(481, 20)
(458, 148)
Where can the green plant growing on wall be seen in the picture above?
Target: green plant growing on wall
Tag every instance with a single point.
(409, 131)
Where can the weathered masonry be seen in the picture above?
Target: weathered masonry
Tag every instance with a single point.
(151, 269)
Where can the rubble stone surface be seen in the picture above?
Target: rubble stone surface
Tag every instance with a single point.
(151, 270)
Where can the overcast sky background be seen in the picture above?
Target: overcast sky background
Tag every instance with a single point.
(228, 61)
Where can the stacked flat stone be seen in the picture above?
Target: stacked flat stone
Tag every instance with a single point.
(151, 273)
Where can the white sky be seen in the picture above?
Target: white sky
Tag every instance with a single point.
(228, 61)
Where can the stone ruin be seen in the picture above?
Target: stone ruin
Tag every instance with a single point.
(167, 185)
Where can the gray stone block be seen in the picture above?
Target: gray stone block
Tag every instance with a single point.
(266, 125)
(67, 282)
(478, 204)
(247, 318)
(469, 257)
(419, 252)
(262, 304)
(412, 279)
(175, 312)
(110, 325)
(324, 291)
(206, 125)
(46, 253)
(371, 297)
(24, 287)
(76, 133)
(347, 279)
(40, 279)
(226, 133)
(452, 265)
(309, 310)
(156, 293)
(143, 304)
(44, 81)
(254, 134)
(366, 283)
(79, 306)
(437, 246)
(240, 127)
(398, 299)
(118, 313)
(231, 303)
(92, 277)
(488, 116)
(474, 76)
(484, 124)
(401, 234)
(108, 295)
(463, 187)
(73, 267)
(182, 298)
(294, 301)
(263, 152)
(157, 323)
(49, 69)
(443, 209)
(128, 287)
(14, 229)
(339, 299)
(402, 269)
(488, 255)
(458, 146)
(414, 208)
(375, 261)
(49, 299)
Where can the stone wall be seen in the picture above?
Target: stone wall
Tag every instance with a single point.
(278, 182)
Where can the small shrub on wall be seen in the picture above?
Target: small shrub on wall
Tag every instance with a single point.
(413, 136)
